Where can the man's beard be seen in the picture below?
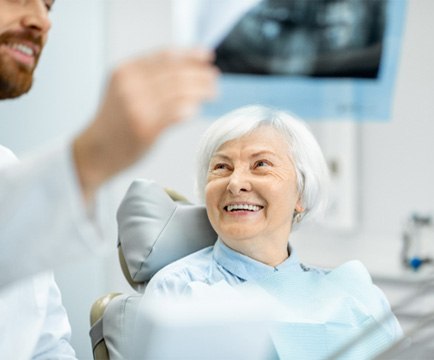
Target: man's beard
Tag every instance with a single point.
(15, 79)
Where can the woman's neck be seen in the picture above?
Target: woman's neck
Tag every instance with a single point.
(266, 252)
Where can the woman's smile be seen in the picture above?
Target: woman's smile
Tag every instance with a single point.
(242, 207)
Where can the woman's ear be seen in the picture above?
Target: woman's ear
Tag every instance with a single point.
(299, 207)
(298, 212)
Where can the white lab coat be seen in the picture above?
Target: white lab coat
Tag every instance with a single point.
(33, 321)
(43, 221)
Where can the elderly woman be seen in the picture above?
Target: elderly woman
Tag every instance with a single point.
(261, 173)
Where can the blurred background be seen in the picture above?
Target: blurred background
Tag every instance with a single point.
(383, 170)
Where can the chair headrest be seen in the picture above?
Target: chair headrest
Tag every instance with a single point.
(154, 230)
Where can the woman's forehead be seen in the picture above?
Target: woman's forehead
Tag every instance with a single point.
(269, 143)
(261, 139)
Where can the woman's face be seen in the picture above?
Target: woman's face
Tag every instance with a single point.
(251, 194)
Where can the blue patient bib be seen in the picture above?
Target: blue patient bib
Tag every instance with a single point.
(321, 312)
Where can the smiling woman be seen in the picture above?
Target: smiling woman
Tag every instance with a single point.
(261, 173)
(252, 194)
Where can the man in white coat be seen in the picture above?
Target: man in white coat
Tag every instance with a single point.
(143, 97)
(33, 321)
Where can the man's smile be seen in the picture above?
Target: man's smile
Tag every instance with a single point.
(25, 53)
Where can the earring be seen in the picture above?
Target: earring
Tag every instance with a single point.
(298, 216)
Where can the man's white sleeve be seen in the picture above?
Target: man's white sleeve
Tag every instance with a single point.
(43, 219)
(55, 333)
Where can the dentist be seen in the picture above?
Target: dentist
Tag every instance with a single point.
(143, 97)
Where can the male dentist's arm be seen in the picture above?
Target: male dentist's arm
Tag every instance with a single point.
(44, 200)
(143, 98)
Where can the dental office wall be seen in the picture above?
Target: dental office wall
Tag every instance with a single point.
(394, 174)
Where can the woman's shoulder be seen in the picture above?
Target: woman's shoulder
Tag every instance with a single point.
(353, 281)
(352, 271)
(195, 261)
(352, 277)
(175, 276)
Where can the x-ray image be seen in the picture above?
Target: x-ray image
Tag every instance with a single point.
(320, 59)
(319, 38)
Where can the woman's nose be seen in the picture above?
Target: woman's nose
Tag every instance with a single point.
(36, 17)
(239, 181)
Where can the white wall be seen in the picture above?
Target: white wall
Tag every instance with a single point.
(397, 163)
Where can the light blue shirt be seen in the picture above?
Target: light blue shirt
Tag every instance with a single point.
(214, 264)
(324, 309)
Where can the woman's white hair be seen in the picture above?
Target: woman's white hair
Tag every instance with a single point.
(304, 151)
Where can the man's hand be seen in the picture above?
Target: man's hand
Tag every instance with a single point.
(143, 97)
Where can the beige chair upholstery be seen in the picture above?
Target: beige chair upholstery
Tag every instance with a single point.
(99, 348)
(155, 228)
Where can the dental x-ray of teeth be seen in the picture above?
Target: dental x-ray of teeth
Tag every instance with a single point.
(338, 38)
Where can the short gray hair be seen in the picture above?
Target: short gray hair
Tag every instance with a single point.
(304, 151)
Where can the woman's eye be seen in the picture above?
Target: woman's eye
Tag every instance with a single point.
(262, 163)
(220, 166)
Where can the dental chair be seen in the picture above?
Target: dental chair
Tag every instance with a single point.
(150, 236)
